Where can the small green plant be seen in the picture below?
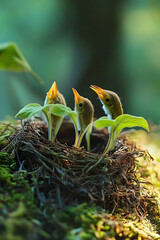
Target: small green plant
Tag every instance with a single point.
(116, 125)
(57, 109)
(80, 136)
(85, 113)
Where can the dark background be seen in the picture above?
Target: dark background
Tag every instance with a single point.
(112, 44)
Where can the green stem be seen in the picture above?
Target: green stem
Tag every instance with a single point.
(109, 144)
(49, 128)
(37, 77)
(88, 137)
(80, 139)
(88, 131)
(76, 136)
(106, 150)
(48, 117)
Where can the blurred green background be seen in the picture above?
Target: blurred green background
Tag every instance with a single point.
(112, 44)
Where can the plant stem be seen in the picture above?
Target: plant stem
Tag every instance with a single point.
(49, 128)
(76, 136)
(80, 139)
(109, 143)
(37, 77)
(106, 150)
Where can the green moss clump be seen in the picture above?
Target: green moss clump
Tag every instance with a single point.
(16, 201)
(6, 129)
(149, 173)
(88, 222)
(7, 165)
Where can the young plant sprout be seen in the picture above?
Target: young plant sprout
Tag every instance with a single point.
(116, 120)
(112, 106)
(54, 121)
(54, 109)
(118, 124)
(85, 112)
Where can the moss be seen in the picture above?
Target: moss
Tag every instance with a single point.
(6, 129)
(88, 222)
(150, 171)
(16, 200)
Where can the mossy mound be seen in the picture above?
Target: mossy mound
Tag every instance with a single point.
(48, 190)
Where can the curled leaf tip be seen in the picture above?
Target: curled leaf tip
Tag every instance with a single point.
(52, 91)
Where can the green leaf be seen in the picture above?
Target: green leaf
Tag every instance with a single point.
(30, 110)
(60, 110)
(121, 122)
(103, 122)
(126, 120)
(73, 116)
(88, 134)
(11, 59)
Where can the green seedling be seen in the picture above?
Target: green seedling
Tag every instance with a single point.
(116, 126)
(80, 136)
(85, 112)
(63, 111)
(54, 97)
(54, 109)
(59, 110)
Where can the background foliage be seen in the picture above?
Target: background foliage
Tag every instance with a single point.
(113, 44)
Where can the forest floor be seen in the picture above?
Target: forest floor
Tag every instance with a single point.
(52, 191)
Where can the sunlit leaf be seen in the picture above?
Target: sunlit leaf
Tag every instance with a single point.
(129, 121)
(117, 125)
(103, 122)
(125, 121)
(30, 110)
(88, 134)
(73, 116)
(60, 110)
(11, 59)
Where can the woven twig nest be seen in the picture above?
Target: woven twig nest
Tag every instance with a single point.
(61, 173)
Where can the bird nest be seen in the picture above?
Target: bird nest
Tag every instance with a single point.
(64, 175)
